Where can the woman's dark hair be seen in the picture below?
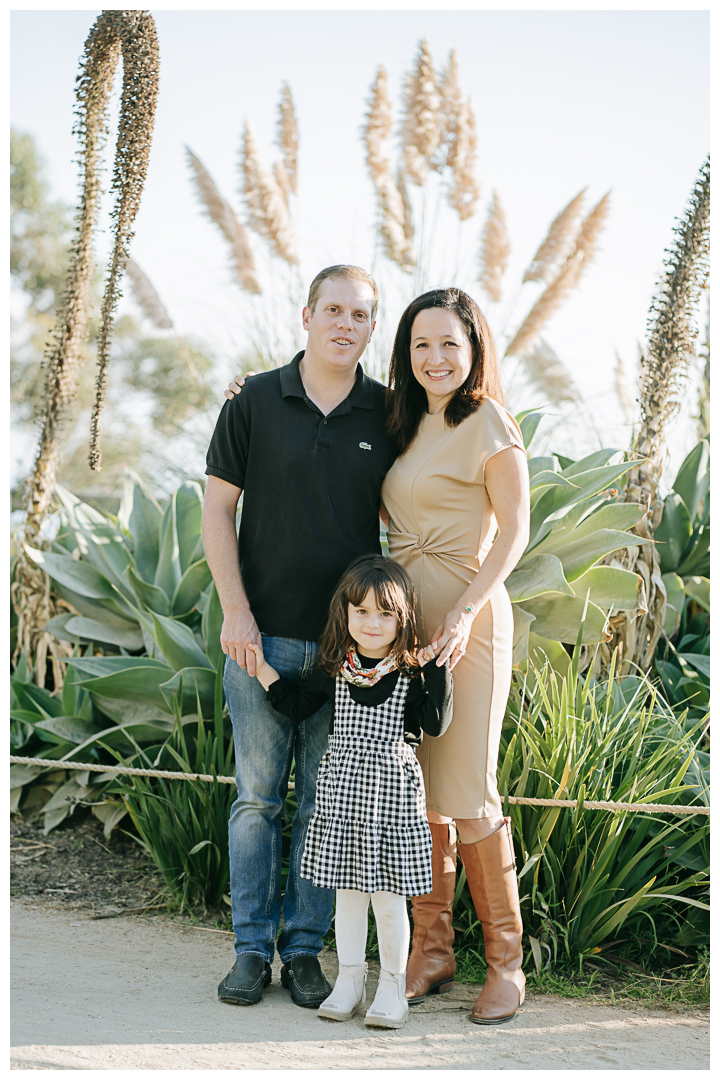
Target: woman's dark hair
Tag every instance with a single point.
(407, 401)
(394, 591)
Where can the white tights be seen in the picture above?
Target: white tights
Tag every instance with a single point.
(393, 928)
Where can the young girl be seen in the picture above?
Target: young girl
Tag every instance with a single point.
(369, 838)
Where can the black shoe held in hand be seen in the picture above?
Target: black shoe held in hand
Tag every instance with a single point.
(244, 985)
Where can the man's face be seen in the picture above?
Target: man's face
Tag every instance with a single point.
(341, 325)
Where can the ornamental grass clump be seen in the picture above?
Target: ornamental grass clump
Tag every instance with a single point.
(182, 824)
(595, 883)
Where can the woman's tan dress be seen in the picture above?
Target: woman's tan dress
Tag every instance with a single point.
(441, 527)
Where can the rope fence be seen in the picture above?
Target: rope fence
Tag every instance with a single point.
(126, 770)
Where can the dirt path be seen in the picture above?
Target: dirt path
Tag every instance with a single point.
(139, 993)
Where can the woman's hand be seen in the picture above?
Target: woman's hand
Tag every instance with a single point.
(450, 638)
(266, 674)
(235, 387)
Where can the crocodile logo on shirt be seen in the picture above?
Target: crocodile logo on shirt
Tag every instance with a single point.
(365, 446)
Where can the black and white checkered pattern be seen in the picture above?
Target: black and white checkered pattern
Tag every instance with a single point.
(369, 830)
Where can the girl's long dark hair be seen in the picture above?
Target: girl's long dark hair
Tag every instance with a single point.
(407, 401)
(394, 591)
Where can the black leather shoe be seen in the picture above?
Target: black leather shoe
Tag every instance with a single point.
(244, 985)
(304, 978)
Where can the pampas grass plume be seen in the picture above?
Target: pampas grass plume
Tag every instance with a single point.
(494, 250)
(267, 210)
(222, 214)
(558, 242)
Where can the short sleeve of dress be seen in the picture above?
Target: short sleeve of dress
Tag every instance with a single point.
(497, 430)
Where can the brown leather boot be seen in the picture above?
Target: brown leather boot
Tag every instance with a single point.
(431, 966)
(490, 871)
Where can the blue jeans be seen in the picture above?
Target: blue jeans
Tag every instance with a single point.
(265, 742)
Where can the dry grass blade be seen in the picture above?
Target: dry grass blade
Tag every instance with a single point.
(408, 227)
(586, 244)
(622, 390)
(546, 305)
(450, 105)
(146, 297)
(494, 250)
(267, 210)
(549, 375)
(558, 242)
(464, 192)
(421, 128)
(288, 137)
(222, 214)
(282, 180)
(589, 234)
(377, 127)
(397, 246)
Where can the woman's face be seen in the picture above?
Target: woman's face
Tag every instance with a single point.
(441, 355)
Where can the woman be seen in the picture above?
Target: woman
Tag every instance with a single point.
(461, 473)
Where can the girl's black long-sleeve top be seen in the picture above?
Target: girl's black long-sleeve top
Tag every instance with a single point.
(428, 705)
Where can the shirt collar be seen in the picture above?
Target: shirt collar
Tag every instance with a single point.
(361, 396)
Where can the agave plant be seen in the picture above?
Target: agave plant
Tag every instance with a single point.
(575, 521)
(140, 584)
(683, 543)
(50, 726)
(683, 537)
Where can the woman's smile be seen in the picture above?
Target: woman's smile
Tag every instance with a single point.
(440, 354)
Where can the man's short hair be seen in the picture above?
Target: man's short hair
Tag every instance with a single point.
(349, 273)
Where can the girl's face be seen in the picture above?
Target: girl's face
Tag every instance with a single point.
(373, 629)
(441, 355)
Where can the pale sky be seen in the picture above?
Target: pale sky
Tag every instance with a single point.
(611, 100)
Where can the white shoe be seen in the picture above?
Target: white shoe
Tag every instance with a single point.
(349, 992)
(390, 1007)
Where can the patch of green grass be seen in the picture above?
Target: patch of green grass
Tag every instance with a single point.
(684, 987)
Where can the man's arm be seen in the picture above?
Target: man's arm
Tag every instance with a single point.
(239, 629)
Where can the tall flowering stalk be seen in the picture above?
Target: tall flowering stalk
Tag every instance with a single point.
(663, 367)
(115, 34)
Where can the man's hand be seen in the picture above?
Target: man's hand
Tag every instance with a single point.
(237, 634)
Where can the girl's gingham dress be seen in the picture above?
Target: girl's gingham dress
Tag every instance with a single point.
(369, 830)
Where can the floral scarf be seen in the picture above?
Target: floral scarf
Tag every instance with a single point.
(353, 673)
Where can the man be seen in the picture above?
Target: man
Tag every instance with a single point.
(306, 446)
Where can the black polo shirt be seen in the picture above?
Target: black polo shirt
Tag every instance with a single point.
(311, 491)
